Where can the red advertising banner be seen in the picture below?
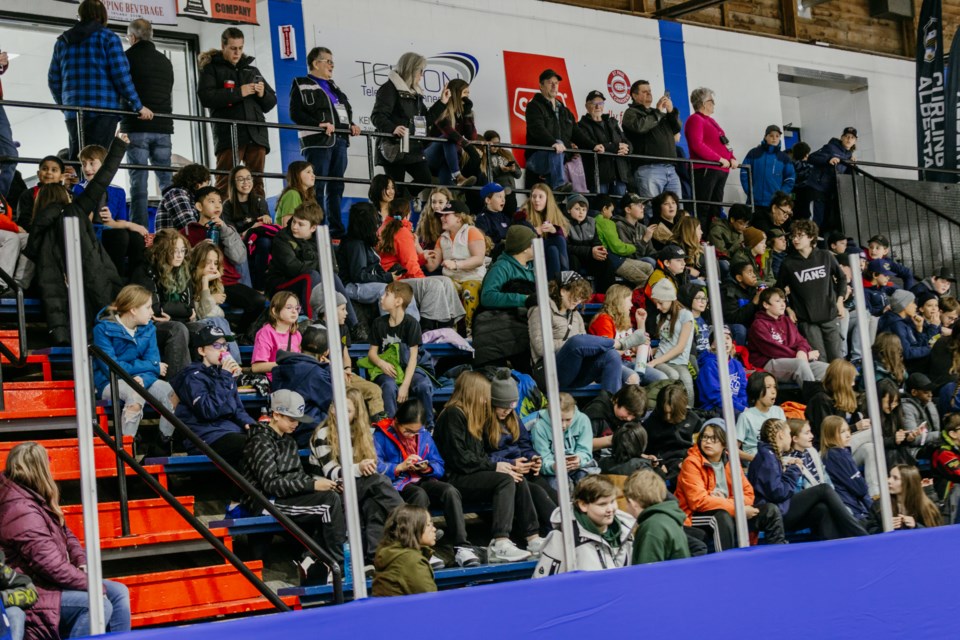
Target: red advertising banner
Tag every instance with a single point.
(523, 82)
(232, 11)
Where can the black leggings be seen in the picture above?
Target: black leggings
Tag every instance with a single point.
(377, 499)
(249, 300)
(513, 507)
(230, 447)
(125, 248)
(768, 521)
(436, 494)
(544, 501)
(419, 172)
(708, 185)
(821, 509)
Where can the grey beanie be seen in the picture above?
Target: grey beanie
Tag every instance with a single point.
(900, 300)
(316, 299)
(504, 393)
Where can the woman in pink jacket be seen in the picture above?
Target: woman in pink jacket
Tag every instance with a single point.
(707, 142)
(38, 544)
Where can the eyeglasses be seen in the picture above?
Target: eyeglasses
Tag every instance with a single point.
(290, 308)
(700, 297)
(219, 346)
(329, 61)
(596, 103)
(709, 438)
(244, 179)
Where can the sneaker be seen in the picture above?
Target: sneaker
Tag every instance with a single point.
(535, 546)
(566, 187)
(235, 512)
(505, 551)
(463, 181)
(368, 571)
(437, 563)
(466, 557)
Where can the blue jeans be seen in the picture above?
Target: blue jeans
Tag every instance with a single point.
(75, 610)
(8, 148)
(420, 387)
(650, 180)
(97, 129)
(650, 375)
(443, 158)
(556, 256)
(153, 149)
(586, 358)
(615, 188)
(17, 619)
(370, 292)
(547, 163)
(330, 162)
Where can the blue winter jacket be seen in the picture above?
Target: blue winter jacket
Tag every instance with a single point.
(915, 345)
(390, 453)
(848, 482)
(772, 171)
(823, 175)
(771, 481)
(708, 383)
(509, 450)
(209, 403)
(877, 298)
(311, 379)
(138, 354)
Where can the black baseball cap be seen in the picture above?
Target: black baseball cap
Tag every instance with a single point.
(851, 131)
(944, 273)
(207, 335)
(920, 382)
(630, 199)
(595, 94)
(773, 128)
(835, 236)
(672, 252)
(880, 239)
(546, 74)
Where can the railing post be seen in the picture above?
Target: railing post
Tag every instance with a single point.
(753, 203)
(870, 384)
(371, 164)
(83, 391)
(553, 406)
(733, 452)
(596, 170)
(351, 500)
(235, 145)
(118, 441)
(693, 188)
(80, 140)
(856, 207)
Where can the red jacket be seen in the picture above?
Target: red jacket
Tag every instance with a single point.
(703, 139)
(37, 545)
(946, 461)
(405, 252)
(6, 215)
(769, 339)
(197, 233)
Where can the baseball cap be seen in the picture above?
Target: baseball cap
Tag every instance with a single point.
(289, 403)
(880, 267)
(777, 232)
(672, 252)
(207, 335)
(595, 94)
(879, 239)
(489, 189)
(920, 382)
(454, 206)
(550, 73)
(835, 236)
(852, 131)
(771, 128)
(630, 199)
(944, 273)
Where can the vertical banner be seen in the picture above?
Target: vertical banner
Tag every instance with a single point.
(931, 96)
(523, 82)
(953, 108)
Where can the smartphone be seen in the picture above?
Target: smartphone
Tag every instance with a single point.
(667, 93)
(257, 79)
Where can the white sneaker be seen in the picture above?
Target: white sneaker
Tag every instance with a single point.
(466, 557)
(535, 546)
(504, 550)
(437, 563)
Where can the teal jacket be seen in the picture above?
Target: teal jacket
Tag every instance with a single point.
(659, 534)
(505, 269)
(577, 439)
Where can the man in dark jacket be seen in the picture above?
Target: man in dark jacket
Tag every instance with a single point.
(233, 89)
(772, 170)
(601, 132)
(826, 163)
(306, 374)
(652, 131)
(7, 146)
(549, 124)
(317, 101)
(209, 401)
(152, 75)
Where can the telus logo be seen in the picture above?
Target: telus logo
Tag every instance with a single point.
(814, 273)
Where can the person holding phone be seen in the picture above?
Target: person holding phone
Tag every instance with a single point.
(231, 88)
(651, 130)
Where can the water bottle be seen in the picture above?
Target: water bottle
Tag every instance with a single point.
(640, 360)
(213, 232)
(405, 142)
(347, 569)
(264, 417)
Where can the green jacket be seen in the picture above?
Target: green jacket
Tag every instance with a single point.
(390, 355)
(504, 269)
(659, 534)
(401, 571)
(610, 239)
(728, 241)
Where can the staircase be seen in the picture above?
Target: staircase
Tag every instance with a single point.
(42, 411)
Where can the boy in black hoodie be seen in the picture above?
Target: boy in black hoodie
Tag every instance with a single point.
(817, 291)
(739, 298)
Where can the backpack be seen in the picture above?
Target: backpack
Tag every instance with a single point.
(264, 230)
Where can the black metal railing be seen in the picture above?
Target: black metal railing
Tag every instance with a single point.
(925, 236)
(15, 359)
(371, 137)
(116, 442)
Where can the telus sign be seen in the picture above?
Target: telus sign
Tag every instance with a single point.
(441, 69)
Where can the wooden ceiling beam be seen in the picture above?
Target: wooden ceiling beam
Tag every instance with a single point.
(682, 9)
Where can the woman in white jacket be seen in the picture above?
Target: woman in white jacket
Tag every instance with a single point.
(603, 535)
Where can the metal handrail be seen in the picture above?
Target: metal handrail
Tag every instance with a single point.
(903, 194)
(288, 524)
(369, 135)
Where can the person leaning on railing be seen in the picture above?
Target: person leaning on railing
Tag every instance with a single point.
(600, 132)
(708, 142)
(652, 131)
(549, 124)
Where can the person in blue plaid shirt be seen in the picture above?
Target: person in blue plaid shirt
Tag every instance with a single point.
(90, 69)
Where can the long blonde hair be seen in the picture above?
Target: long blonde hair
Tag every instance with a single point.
(685, 235)
(130, 297)
(838, 382)
(471, 395)
(28, 465)
(552, 211)
(613, 306)
(360, 434)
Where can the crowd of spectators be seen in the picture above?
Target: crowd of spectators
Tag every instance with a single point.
(221, 270)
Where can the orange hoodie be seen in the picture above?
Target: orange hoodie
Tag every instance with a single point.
(406, 254)
(697, 481)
